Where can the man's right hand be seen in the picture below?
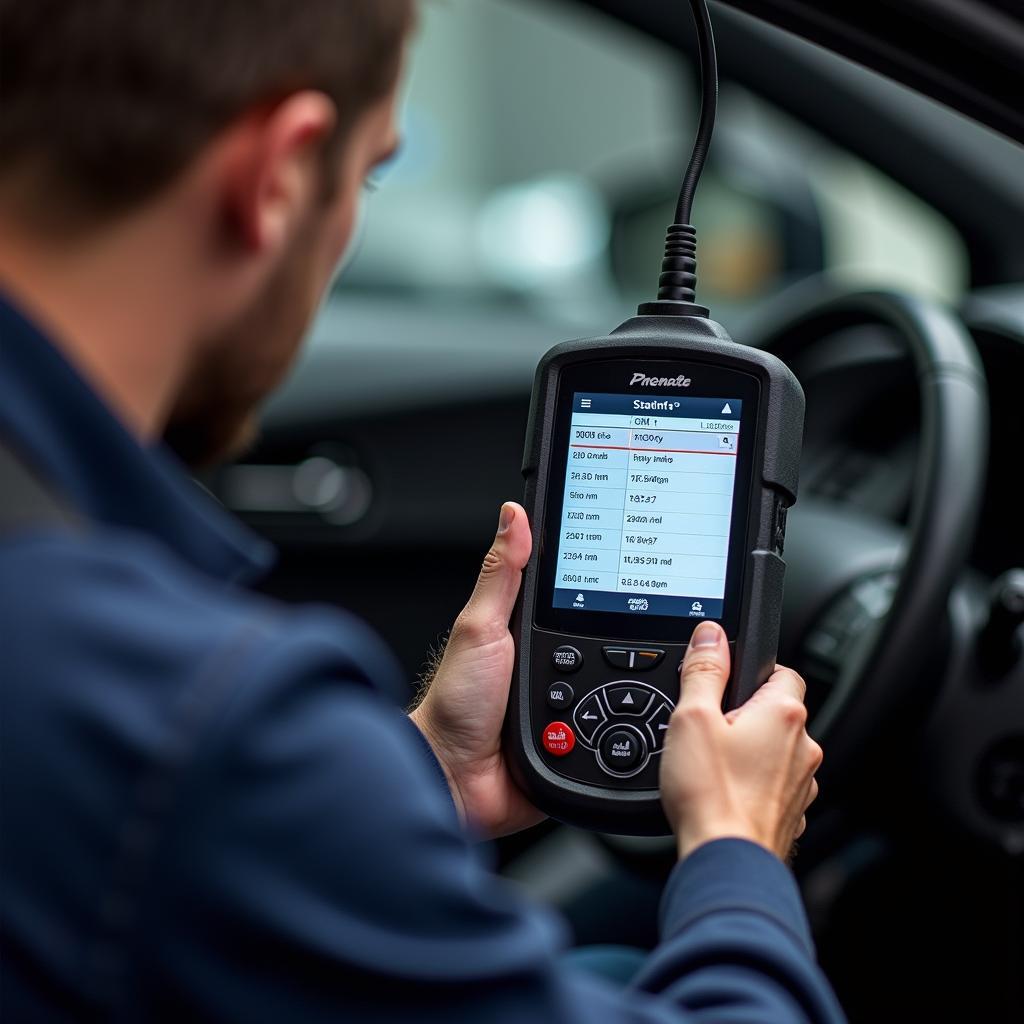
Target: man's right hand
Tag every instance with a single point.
(748, 772)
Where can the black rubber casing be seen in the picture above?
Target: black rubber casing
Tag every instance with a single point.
(620, 807)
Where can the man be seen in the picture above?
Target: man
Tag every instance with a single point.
(212, 809)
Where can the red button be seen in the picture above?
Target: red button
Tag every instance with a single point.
(558, 739)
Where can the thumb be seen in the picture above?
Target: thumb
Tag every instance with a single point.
(497, 586)
(705, 670)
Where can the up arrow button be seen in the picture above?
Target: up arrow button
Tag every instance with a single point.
(629, 700)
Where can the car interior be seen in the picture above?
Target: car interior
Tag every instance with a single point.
(862, 217)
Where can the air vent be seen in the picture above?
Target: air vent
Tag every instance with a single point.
(319, 486)
(841, 475)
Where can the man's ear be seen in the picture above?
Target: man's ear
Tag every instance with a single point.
(273, 172)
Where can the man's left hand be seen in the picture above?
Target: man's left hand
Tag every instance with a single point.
(462, 712)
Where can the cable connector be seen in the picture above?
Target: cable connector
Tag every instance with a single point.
(678, 281)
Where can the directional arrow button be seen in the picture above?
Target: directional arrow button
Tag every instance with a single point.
(657, 724)
(589, 717)
(629, 700)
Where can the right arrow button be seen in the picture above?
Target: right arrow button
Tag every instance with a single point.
(657, 725)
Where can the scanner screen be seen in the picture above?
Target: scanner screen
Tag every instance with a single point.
(647, 509)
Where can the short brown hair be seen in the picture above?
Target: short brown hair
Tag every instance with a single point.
(108, 100)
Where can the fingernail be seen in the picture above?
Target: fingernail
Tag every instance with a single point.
(705, 635)
(508, 513)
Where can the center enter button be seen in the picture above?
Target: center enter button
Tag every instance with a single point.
(621, 749)
(629, 700)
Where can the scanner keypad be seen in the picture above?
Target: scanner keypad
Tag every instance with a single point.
(617, 707)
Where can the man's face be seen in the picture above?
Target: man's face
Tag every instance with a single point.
(216, 415)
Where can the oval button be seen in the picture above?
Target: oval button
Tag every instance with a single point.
(560, 695)
(566, 659)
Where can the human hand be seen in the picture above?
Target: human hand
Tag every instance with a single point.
(748, 772)
(462, 711)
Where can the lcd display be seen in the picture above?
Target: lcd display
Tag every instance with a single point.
(647, 509)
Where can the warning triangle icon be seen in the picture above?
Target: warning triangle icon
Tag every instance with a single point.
(727, 411)
(628, 699)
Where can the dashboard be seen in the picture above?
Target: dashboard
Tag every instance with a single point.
(383, 463)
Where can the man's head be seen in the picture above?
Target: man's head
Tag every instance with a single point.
(248, 126)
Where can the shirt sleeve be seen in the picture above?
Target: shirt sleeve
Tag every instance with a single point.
(313, 869)
(735, 936)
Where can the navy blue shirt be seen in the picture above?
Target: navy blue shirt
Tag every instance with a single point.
(213, 806)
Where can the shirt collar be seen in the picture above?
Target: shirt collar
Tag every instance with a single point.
(62, 427)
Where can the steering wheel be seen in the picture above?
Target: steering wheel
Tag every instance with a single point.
(868, 597)
(870, 593)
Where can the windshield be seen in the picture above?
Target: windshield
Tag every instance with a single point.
(543, 148)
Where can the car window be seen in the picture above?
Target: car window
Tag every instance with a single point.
(543, 146)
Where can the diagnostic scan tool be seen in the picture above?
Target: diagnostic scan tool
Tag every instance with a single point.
(660, 462)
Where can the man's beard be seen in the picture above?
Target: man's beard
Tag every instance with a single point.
(212, 440)
(216, 416)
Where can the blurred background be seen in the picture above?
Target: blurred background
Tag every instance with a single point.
(544, 142)
(543, 151)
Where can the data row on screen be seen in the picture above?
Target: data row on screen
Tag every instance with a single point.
(649, 439)
(665, 563)
(640, 583)
(603, 420)
(581, 498)
(613, 539)
(660, 521)
(716, 463)
(646, 477)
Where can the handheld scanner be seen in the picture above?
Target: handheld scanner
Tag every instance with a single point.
(659, 464)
